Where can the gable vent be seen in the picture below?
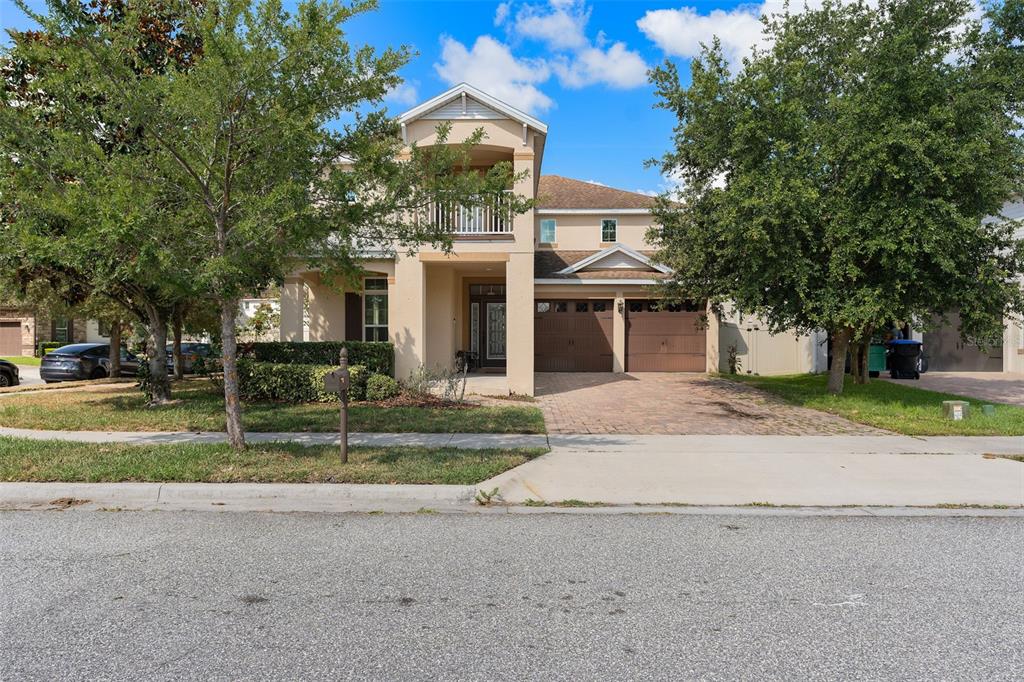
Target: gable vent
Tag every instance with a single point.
(618, 261)
(454, 110)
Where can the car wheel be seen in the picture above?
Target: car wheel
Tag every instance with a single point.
(5, 380)
(98, 373)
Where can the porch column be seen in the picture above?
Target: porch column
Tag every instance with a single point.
(519, 322)
(293, 304)
(326, 313)
(407, 315)
(619, 333)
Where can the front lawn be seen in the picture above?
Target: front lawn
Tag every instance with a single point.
(901, 407)
(200, 407)
(32, 460)
(26, 360)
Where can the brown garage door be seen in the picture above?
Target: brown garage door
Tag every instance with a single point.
(572, 336)
(10, 338)
(664, 340)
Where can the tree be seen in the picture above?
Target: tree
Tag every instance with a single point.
(243, 149)
(839, 180)
(78, 212)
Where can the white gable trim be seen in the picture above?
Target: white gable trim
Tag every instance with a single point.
(603, 282)
(615, 248)
(592, 211)
(464, 89)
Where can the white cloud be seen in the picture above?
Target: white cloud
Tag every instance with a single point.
(680, 32)
(617, 66)
(501, 14)
(403, 93)
(560, 23)
(491, 66)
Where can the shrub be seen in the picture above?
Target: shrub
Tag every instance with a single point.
(377, 356)
(381, 387)
(46, 346)
(294, 383)
(441, 382)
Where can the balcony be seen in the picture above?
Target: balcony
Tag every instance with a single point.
(491, 216)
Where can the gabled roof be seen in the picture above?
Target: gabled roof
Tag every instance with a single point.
(634, 261)
(549, 266)
(557, 192)
(467, 90)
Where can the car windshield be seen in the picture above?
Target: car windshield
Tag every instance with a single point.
(75, 348)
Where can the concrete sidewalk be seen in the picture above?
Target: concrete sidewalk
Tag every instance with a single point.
(728, 470)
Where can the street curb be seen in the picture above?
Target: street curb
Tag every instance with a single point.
(276, 497)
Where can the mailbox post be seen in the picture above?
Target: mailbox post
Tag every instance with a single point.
(337, 382)
(343, 369)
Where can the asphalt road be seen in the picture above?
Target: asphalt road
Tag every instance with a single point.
(162, 595)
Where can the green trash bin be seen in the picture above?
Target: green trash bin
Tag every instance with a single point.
(876, 359)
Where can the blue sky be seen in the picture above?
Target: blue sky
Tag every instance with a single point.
(578, 66)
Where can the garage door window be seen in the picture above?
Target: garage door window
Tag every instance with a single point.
(543, 306)
(581, 306)
(561, 307)
(600, 306)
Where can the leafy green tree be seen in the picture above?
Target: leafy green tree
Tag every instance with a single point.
(244, 153)
(80, 216)
(839, 180)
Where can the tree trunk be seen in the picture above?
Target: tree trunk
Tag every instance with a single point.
(232, 405)
(115, 348)
(159, 384)
(179, 366)
(840, 346)
(862, 351)
(855, 362)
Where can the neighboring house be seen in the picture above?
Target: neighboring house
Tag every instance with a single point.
(22, 329)
(269, 328)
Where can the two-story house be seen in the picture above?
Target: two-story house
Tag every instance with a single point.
(563, 287)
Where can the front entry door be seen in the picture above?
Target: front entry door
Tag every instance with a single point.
(488, 325)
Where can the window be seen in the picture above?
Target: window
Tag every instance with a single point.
(561, 307)
(61, 329)
(581, 306)
(375, 309)
(609, 230)
(543, 306)
(600, 306)
(636, 306)
(547, 231)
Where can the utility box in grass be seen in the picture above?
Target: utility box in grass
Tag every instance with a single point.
(955, 409)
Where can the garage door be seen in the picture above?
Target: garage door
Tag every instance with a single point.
(10, 338)
(572, 336)
(664, 340)
(948, 353)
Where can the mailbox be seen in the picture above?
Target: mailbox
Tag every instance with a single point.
(336, 381)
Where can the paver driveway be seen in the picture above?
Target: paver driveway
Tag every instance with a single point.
(674, 403)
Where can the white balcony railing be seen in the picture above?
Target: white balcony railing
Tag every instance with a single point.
(492, 216)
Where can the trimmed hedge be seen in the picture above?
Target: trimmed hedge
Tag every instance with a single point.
(295, 383)
(46, 346)
(381, 387)
(377, 356)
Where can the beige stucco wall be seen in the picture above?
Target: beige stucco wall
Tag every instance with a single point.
(577, 232)
(1013, 347)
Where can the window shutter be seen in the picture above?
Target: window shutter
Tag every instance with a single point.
(353, 316)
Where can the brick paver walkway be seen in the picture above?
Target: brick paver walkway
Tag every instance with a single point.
(663, 403)
(997, 387)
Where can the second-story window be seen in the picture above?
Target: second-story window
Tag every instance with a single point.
(547, 231)
(609, 230)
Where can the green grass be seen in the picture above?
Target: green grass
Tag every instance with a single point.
(29, 460)
(200, 407)
(27, 360)
(901, 407)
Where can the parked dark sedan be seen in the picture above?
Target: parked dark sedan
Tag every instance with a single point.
(83, 361)
(9, 374)
(190, 352)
